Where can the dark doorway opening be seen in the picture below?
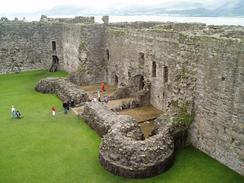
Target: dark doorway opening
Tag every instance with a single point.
(116, 80)
(166, 74)
(55, 64)
(129, 74)
(107, 52)
(154, 69)
(139, 82)
(141, 59)
(54, 45)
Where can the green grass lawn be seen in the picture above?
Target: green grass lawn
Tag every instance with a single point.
(41, 148)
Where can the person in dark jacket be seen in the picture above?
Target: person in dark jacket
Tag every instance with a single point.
(68, 105)
(65, 106)
(18, 115)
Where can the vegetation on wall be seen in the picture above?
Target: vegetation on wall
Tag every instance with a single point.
(183, 115)
(82, 45)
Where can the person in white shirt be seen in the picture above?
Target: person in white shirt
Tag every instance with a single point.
(13, 112)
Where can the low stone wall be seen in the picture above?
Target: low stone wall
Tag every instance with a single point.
(99, 117)
(129, 104)
(122, 92)
(63, 88)
(123, 150)
(136, 158)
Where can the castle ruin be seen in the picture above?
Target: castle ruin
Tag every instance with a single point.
(172, 66)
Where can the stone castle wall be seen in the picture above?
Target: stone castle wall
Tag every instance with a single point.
(28, 46)
(76, 20)
(205, 69)
(84, 53)
(170, 50)
(219, 101)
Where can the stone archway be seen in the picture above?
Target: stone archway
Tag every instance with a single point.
(138, 82)
(114, 79)
(55, 64)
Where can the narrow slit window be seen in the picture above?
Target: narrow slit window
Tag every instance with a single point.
(54, 45)
(107, 52)
(116, 80)
(154, 69)
(166, 74)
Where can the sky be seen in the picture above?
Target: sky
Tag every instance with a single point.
(28, 6)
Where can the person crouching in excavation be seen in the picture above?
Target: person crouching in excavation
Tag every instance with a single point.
(98, 96)
(102, 87)
(106, 99)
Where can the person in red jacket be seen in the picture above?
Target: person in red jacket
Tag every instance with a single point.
(53, 111)
(102, 87)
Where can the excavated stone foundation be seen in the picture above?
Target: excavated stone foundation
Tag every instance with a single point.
(123, 150)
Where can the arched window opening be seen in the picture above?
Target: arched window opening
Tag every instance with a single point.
(141, 83)
(55, 64)
(141, 56)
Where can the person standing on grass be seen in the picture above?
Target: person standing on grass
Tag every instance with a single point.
(68, 105)
(53, 111)
(65, 106)
(13, 112)
(18, 114)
